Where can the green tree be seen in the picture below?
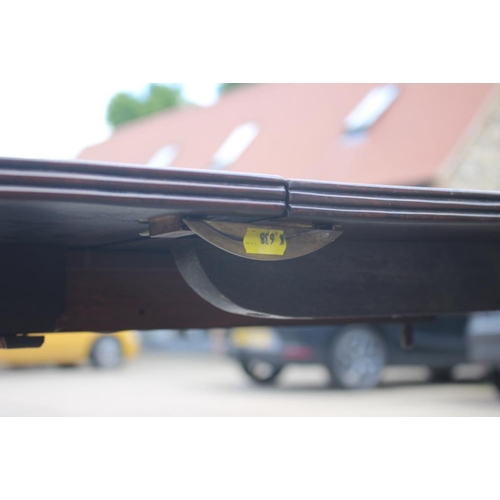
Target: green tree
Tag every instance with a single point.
(125, 107)
(224, 87)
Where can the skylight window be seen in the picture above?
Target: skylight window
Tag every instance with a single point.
(164, 156)
(370, 109)
(235, 145)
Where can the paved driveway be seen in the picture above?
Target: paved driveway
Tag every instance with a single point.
(169, 385)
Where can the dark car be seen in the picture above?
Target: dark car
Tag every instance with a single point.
(483, 336)
(356, 354)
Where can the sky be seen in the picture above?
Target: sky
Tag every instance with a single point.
(41, 119)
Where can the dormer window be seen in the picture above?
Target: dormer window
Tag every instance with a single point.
(235, 145)
(164, 156)
(370, 109)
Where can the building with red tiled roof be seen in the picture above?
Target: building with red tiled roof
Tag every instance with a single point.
(416, 134)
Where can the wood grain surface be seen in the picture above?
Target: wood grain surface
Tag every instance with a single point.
(72, 256)
(349, 279)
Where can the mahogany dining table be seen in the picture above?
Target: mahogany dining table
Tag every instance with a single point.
(105, 247)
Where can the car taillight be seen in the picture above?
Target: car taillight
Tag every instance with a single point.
(297, 352)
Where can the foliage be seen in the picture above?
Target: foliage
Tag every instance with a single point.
(225, 87)
(125, 107)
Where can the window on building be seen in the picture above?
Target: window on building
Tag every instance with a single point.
(164, 156)
(235, 145)
(370, 109)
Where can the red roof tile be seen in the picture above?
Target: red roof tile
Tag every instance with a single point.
(301, 132)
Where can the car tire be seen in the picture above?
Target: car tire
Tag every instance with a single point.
(357, 358)
(441, 375)
(495, 378)
(261, 371)
(106, 353)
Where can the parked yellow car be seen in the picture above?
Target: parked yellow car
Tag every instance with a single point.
(76, 348)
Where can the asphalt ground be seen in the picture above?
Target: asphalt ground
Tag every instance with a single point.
(164, 384)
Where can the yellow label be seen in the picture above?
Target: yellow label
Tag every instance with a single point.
(264, 241)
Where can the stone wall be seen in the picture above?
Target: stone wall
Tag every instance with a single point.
(475, 164)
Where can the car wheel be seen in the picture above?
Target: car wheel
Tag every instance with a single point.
(357, 358)
(261, 371)
(106, 353)
(495, 378)
(441, 375)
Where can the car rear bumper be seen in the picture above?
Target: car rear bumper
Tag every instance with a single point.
(286, 354)
(485, 348)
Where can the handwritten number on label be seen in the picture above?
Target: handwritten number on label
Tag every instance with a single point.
(268, 238)
(264, 241)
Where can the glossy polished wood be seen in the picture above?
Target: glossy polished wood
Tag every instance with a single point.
(345, 203)
(404, 251)
(87, 204)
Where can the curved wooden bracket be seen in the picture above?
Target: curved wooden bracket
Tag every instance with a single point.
(359, 279)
